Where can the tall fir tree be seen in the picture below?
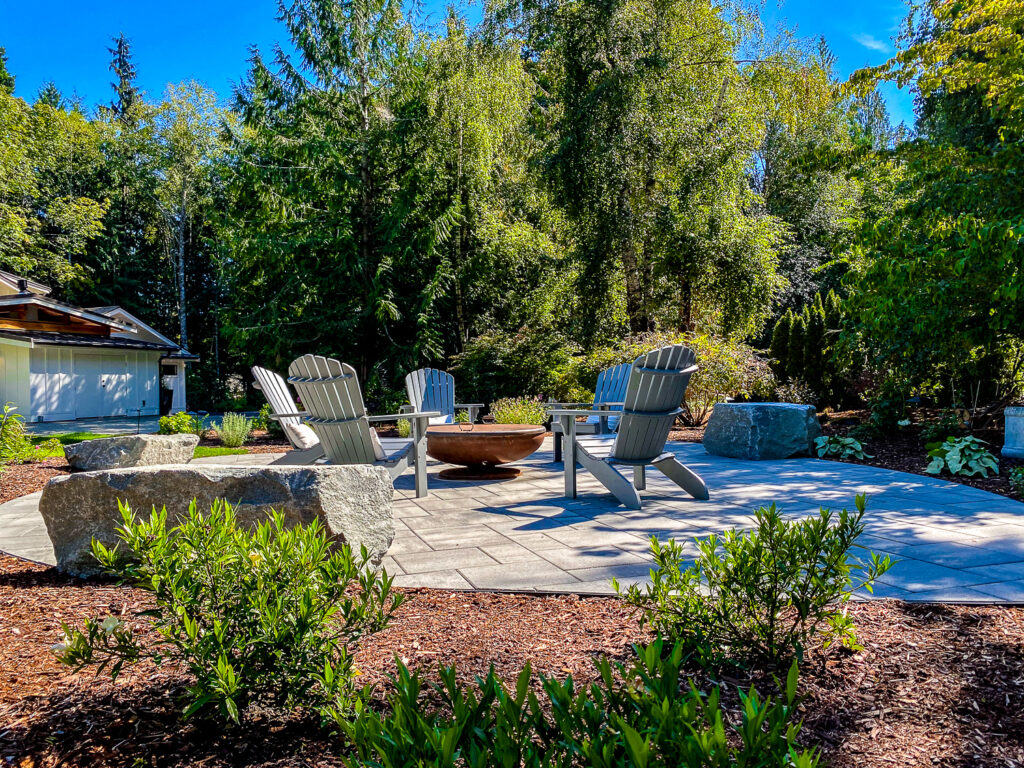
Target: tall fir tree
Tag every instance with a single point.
(126, 95)
(6, 78)
(50, 96)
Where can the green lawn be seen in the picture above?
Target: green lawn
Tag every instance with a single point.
(202, 451)
(67, 438)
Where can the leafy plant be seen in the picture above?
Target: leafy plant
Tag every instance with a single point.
(262, 420)
(15, 446)
(643, 714)
(234, 429)
(404, 428)
(840, 447)
(949, 423)
(183, 423)
(1017, 480)
(519, 410)
(760, 597)
(795, 391)
(964, 456)
(270, 613)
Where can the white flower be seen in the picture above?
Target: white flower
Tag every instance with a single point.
(110, 624)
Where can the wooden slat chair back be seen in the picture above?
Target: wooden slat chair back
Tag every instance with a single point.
(330, 391)
(611, 388)
(305, 443)
(653, 399)
(432, 390)
(654, 395)
(334, 403)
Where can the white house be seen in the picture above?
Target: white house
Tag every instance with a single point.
(60, 362)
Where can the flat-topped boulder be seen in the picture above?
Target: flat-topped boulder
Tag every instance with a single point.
(352, 502)
(758, 431)
(131, 451)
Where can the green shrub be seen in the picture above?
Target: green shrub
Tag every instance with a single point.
(404, 428)
(795, 391)
(263, 420)
(461, 416)
(760, 597)
(234, 429)
(965, 456)
(183, 423)
(15, 446)
(948, 424)
(1017, 480)
(840, 447)
(645, 714)
(269, 614)
(519, 410)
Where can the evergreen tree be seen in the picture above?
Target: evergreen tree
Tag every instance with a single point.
(814, 342)
(797, 342)
(126, 95)
(779, 349)
(50, 96)
(6, 78)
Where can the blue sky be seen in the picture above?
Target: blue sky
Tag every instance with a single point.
(209, 40)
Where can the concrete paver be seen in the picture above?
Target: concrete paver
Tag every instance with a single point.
(954, 543)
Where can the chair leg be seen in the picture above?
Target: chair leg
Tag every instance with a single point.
(611, 479)
(682, 476)
(420, 456)
(299, 458)
(557, 437)
(640, 478)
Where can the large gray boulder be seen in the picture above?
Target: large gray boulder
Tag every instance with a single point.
(761, 430)
(352, 502)
(131, 451)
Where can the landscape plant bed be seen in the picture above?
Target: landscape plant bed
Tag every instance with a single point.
(935, 685)
(904, 450)
(21, 479)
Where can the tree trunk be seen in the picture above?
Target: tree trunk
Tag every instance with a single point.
(183, 332)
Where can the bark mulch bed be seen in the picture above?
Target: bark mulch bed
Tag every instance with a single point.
(20, 479)
(904, 450)
(935, 685)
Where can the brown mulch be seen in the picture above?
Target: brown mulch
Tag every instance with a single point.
(935, 685)
(19, 479)
(905, 450)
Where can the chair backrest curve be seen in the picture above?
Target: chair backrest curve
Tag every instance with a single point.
(331, 394)
(432, 390)
(657, 386)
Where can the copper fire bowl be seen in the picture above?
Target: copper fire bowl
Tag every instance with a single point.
(482, 447)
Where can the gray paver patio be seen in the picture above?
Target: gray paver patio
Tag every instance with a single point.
(954, 543)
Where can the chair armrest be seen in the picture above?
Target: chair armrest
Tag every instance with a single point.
(570, 412)
(397, 416)
(566, 405)
(279, 416)
(469, 405)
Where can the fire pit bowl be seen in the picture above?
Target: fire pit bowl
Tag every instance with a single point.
(481, 448)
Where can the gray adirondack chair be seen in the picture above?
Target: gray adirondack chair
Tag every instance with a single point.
(610, 389)
(305, 443)
(334, 407)
(657, 384)
(432, 390)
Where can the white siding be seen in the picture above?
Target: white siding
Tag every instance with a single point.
(51, 380)
(14, 376)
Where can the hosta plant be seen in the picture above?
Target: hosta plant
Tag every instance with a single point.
(760, 597)
(840, 447)
(270, 614)
(1017, 480)
(964, 456)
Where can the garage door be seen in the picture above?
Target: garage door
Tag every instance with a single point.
(102, 383)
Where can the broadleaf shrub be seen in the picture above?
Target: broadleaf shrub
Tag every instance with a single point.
(184, 423)
(948, 424)
(760, 597)
(965, 456)
(15, 447)
(519, 410)
(271, 614)
(234, 429)
(643, 714)
(839, 447)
